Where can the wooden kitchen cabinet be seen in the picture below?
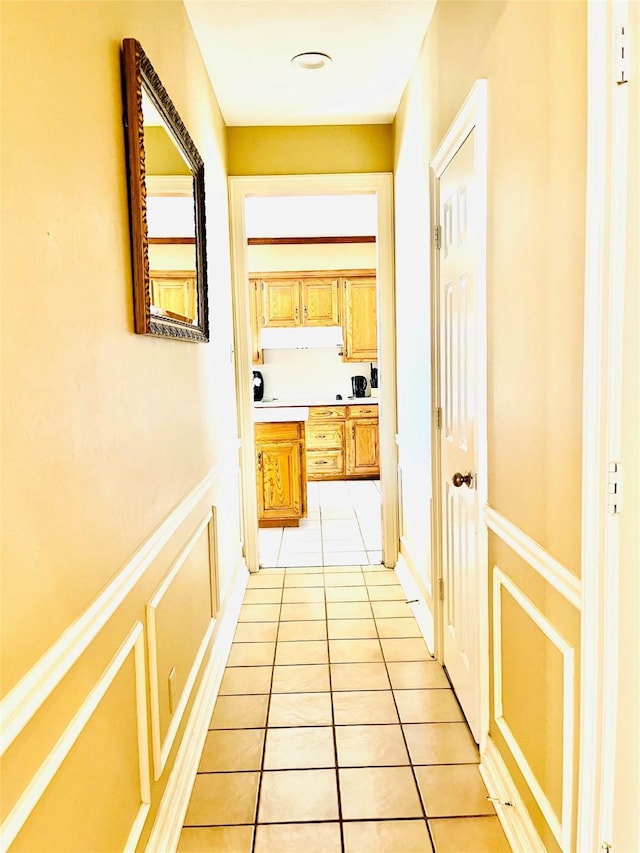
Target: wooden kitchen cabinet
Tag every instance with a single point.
(325, 433)
(360, 318)
(281, 473)
(342, 442)
(281, 302)
(362, 446)
(320, 302)
(255, 296)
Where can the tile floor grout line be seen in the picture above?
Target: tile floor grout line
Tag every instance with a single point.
(404, 738)
(266, 728)
(333, 721)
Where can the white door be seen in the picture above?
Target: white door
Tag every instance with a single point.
(458, 437)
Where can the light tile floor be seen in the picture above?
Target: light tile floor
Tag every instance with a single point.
(335, 731)
(343, 527)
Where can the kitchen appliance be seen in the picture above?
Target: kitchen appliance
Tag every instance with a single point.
(258, 386)
(359, 385)
(374, 381)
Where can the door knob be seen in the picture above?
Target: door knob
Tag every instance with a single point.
(458, 479)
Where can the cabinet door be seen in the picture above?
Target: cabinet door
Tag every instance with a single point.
(279, 472)
(321, 302)
(255, 315)
(175, 292)
(281, 302)
(360, 319)
(362, 447)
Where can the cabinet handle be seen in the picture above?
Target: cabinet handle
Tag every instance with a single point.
(321, 436)
(321, 462)
(353, 431)
(305, 312)
(296, 313)
(260, 461)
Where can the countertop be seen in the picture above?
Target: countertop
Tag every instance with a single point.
(274, 403)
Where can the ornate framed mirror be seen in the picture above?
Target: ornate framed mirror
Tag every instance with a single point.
(166, 206)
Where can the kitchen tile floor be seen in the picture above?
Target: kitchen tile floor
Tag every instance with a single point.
(334, 730)
(343, 527)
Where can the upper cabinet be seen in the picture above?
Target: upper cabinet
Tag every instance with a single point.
(321, 302)
(344, 298)
(293, 301)
(281, 302)
(360, 319)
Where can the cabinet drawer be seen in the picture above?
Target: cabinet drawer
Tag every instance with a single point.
(326, 413)
(325, 436)
(363, 412)
(325, 463)
(289, 430)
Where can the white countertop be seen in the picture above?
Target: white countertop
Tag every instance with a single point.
(274, 403)
(279, 414)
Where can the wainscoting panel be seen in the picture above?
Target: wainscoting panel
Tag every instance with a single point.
(103, 757)
(534, 693)
(180, 621)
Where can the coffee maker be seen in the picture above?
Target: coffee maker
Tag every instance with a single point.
(258, 386)
(359, 386)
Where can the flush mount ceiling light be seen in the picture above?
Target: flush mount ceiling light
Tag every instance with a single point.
(311, 60)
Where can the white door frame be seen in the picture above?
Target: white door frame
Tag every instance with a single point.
(381, 185)
(606, 233)
(472, 116)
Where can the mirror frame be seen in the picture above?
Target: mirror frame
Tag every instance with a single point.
(138, 74)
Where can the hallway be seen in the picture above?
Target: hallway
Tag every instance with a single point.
(335, 730)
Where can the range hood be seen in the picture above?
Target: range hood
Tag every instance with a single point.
(302, 337)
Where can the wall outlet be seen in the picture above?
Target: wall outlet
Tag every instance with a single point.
(172, 690)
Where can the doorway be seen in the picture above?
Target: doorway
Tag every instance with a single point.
(379, 186)
(459, 380)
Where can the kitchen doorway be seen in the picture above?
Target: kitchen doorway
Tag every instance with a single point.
(341, 513)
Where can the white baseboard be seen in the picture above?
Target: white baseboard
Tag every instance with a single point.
(165, 833)
(514, 818)
(423, 616)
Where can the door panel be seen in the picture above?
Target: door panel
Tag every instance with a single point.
(458, 435)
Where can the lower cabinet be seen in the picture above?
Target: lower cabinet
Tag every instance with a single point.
(281, 474)
(363, 459)
(342, 442)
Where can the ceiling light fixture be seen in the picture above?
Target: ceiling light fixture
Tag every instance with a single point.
(311, 60)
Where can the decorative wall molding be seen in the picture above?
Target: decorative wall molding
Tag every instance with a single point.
(18, 816)
(560, 825)
(22, 702)
(515, 819)
(162, 748)
(421, 610)
(166, 829)
(557, 575)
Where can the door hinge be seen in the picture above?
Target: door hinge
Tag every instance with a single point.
(441, 588)
(438, 417)
(621, 57)
(436, 235)
(614, 488)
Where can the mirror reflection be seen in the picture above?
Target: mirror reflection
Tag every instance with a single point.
(167, 208)
(170, 221)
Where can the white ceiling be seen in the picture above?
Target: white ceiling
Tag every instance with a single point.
(247, 46)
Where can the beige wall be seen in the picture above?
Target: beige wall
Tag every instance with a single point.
(104, 432)
(310, 150)
(534, 57)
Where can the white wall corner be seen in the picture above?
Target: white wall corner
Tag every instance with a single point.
(165, 833)
(510, 808)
